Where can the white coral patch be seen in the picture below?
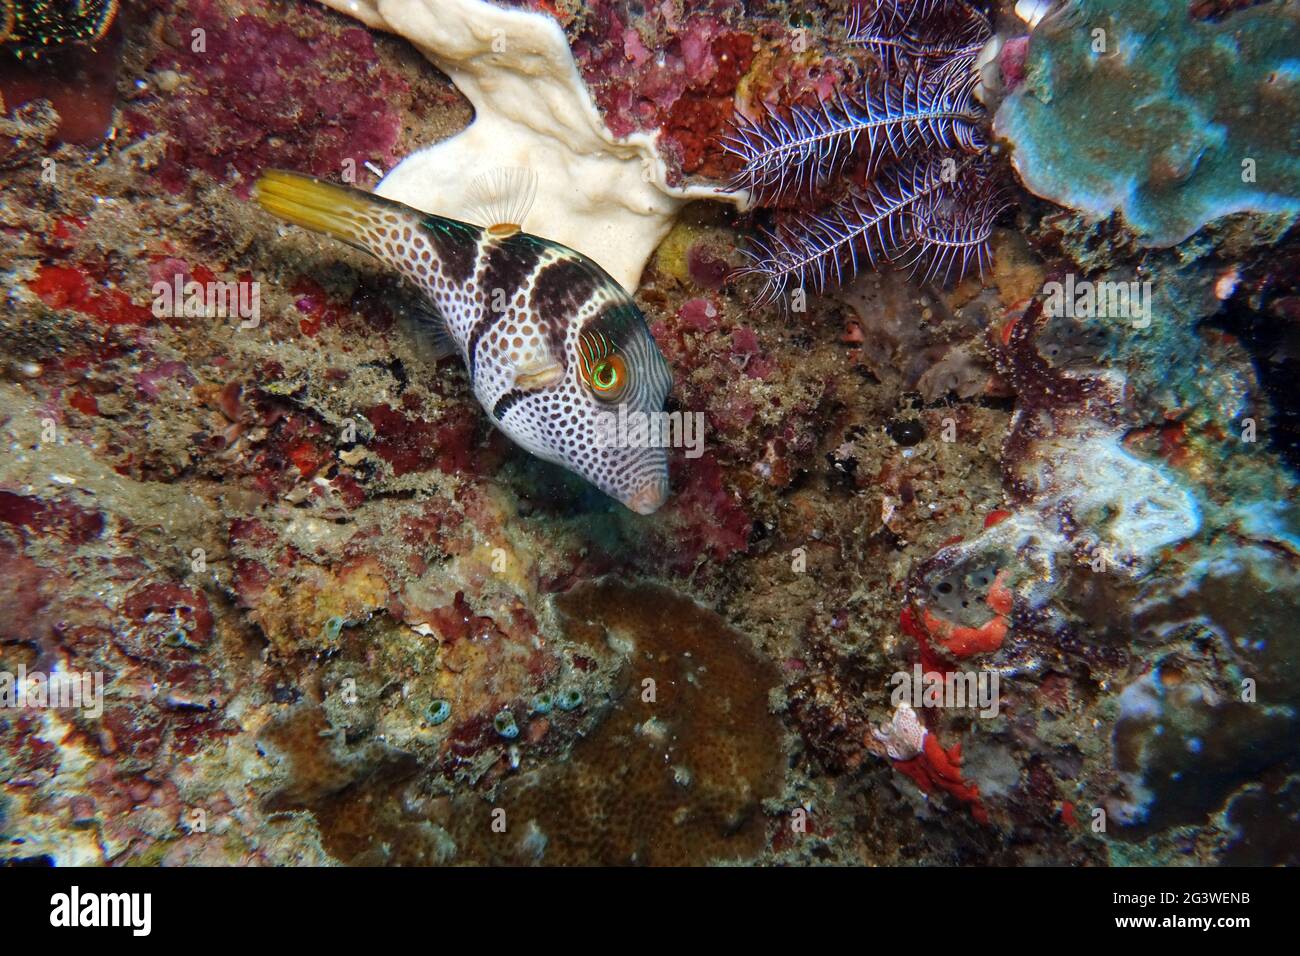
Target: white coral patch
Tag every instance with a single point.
(1135, 506)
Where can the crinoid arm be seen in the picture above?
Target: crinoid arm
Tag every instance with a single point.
(934, 17)
(940, 34)
(950, 231)
(914, 130)
(921, 112)
(798, 152)
(895, 14)
(794, 150)
(824, 250)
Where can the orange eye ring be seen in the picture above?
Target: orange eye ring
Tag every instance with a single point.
(609, 378)
(602, 369)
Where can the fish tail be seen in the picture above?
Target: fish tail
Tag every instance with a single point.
(358, 218)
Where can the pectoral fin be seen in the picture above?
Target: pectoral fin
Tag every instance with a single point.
(538, 375)
(430, 329)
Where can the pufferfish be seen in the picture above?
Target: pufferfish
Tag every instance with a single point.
(552, 343)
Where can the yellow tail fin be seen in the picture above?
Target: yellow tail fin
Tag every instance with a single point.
(358, 218)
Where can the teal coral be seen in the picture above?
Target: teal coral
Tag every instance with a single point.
(505, 726)
(569, 700)
(439, 711)
(1174, 123)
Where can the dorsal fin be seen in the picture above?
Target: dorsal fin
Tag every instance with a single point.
(499, 200)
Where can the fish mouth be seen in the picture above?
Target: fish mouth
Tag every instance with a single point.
(648, 499)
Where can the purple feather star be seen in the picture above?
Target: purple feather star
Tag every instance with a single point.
(930, 198)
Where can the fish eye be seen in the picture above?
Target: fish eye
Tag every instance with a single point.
(609, 378)
(606, 376)
(603, 370)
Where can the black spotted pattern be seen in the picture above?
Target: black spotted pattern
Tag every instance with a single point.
(505, 402)
(509, 265)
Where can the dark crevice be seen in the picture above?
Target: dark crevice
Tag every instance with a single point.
(1273, 342)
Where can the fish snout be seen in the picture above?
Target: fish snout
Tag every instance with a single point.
(649, 498)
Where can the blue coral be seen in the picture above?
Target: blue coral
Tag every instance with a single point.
(1142, 110)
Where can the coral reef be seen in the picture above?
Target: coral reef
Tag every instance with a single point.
(226, 126)
(677, 754)
(339, 619)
